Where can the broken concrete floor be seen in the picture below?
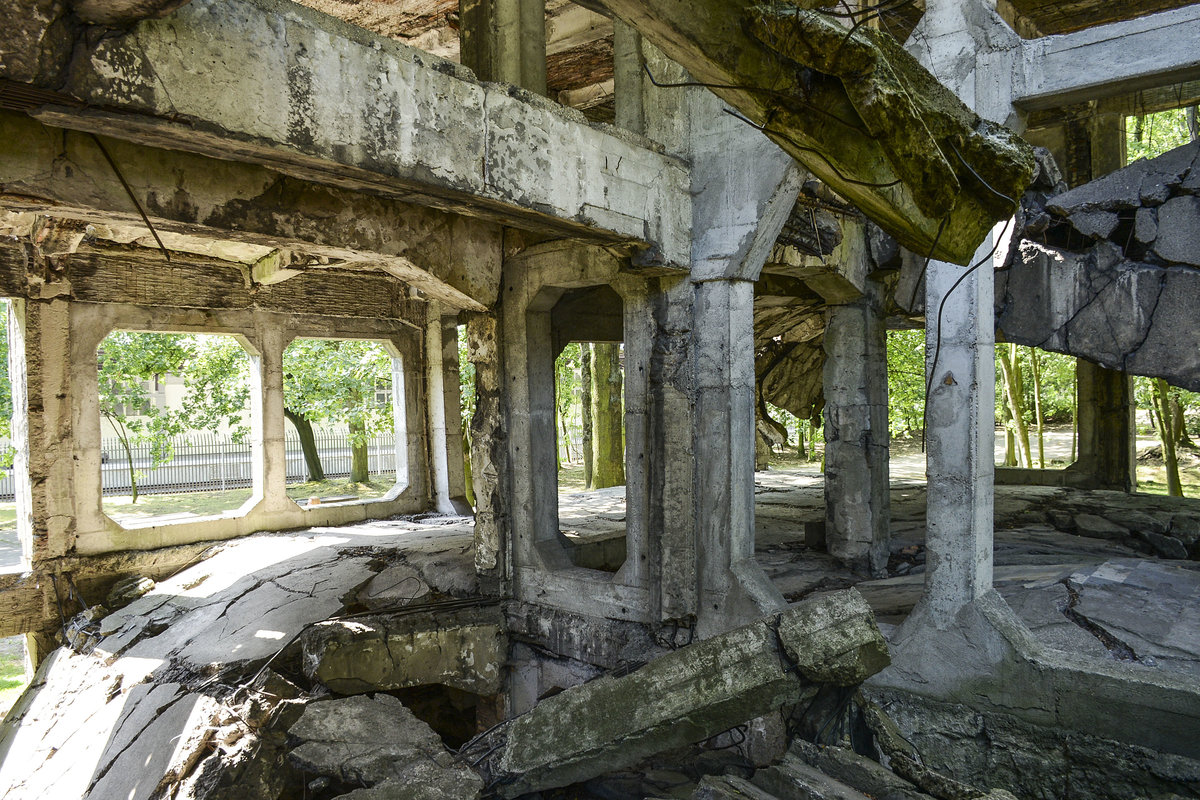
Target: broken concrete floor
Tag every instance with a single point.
(224, 659)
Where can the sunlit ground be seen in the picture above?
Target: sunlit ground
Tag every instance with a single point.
(203, 504)
(12, 671)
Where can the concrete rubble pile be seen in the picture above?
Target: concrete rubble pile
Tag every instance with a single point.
(1110, 271)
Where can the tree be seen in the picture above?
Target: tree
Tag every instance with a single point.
(334, 380)
(585, 385)
(608, 468)
(127, 361)
(906, 383)
(466, 399)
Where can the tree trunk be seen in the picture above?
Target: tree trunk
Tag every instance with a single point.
(585, 381)
(1180, 423)
(360, 469)
(1037, 406)
(1012, 389)
(308, 445)
(1010, 441)
(123, 438)
(608, 468)
(1075, 414)
(1166, 435)
(468, 481)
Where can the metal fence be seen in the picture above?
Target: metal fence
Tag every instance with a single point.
(207, 463)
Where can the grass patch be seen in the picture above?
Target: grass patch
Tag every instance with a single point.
(12, 672)
(200, 504)
(205, 504)
(370, 490)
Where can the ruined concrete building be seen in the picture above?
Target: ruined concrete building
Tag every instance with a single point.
(746, 196)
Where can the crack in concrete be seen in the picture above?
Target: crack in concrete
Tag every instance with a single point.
(1162, 288)
(1116, 648)
(158, 712)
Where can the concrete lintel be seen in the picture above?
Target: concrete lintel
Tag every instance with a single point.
(452, 258)
(279, 84)
(1113, 59)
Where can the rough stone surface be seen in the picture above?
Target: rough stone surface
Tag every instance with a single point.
(186, 663)
(674, 700)
(370, 741)
(1178, 239)
(463, 648)
(1099, 527)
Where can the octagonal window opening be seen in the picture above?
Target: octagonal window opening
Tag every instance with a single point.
(345, 437)
(177, 426)
(587, 331)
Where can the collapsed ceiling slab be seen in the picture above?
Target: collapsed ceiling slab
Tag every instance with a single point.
(855, 109)
(282, 86)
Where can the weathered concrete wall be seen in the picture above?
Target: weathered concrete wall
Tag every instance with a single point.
(68, 301)
(419, 128)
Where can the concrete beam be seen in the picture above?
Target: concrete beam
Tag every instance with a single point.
(280, 85)
(451, 258)
(461, 647)
(688, 695)
(1109, 60)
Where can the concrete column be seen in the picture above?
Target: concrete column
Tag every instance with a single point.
(18, 377)
(627, 77)
(445, 439)
(960, 425)
(1106, 425)
(272, 340)
(857, 498)
(505, 40)
(731, 588)
(44, 426)
(456, 480)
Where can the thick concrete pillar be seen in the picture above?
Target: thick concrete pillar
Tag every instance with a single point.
(1106, 424)
(271, 437)
(857, 500)
(731, 586)
(444, 414)
(505, 40)
(960, 427)
(1105, 397)
(628, 74)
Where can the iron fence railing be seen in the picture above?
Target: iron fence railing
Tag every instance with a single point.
(205, 463)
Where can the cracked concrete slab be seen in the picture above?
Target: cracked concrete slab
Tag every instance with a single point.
(186, 664)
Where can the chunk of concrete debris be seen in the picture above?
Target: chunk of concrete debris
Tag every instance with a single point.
(464, 648)
(792, 777)
(731, 787)
(1098, 527)
(377, 743)
(127, 590)
(1179, 231)
(689, 695)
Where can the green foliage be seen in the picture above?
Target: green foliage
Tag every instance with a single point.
(906, 383)
(334, 380)
(466, 379)
(217, 383)
(1154, 134)
(127, 361)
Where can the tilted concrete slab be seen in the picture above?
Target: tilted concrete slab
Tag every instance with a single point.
(464, 648)
(689, 695)
(277, 84)
(855, 109)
